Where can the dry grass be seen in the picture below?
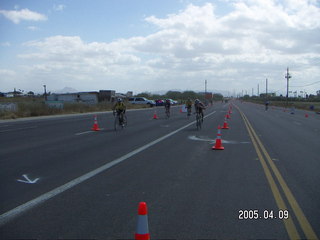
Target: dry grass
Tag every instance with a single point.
(298, 105)
(32, 107)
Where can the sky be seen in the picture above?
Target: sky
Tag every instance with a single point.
(160, 45)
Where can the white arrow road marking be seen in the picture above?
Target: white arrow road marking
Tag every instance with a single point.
(206, 139)
(86, 132)
(28, 180)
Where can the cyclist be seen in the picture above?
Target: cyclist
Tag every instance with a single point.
(120, 109)
(199, 107)
(189, 106)
(267, 105)
(167, 105)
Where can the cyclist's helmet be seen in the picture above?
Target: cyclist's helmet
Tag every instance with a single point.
(119, 99)
(167, 100)
(197, 101)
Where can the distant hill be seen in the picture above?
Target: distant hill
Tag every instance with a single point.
(66, 90)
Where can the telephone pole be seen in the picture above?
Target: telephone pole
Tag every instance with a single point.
(205, 87)
(45, 92)
(266, 88)
(287, 76)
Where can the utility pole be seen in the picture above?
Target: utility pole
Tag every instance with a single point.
(287, 77)
(45, 92)
(205, 86)
(266, 88)
(205, 90)
(252, 93)
(258, 91)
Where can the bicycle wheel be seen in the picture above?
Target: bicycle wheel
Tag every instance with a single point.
(188, 113)
(116, 123)
(124, 121)
(168, 114)
(198, 121)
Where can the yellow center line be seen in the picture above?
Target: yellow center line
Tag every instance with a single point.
(290, 227)
(303, 221)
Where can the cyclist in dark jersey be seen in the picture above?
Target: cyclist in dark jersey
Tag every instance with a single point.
(199, 107)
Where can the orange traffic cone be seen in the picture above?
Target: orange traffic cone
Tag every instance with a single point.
(218, 144)
(228, 116)
(95, 124)
(225, 124)
(142, 232)
(219, 130)
(306, 115)
(155, 115)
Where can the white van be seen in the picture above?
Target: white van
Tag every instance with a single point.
(141, 100)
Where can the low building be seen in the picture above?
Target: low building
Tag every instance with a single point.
(107, 95)
(88, 97)
(81, 97)
(129, 94)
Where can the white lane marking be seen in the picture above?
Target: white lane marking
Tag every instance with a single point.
(17, 129)
(297, 123)
(86, 132)
(28, 180)
(7, 216)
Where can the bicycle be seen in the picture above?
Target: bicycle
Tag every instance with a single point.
(199, 120)
(188, 112)
(167, 113)
(120, 121)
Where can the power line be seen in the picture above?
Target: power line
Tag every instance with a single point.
(307, 84)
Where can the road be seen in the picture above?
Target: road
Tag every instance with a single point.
(60, 180)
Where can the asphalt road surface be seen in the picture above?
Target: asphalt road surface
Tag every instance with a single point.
(60, 180)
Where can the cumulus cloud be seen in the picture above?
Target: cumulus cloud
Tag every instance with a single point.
(17, 16)
(33, 28)
(257, 39)
(6, 72)
(59, 8)
(5, 44)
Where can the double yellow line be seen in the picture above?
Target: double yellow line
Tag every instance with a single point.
(269, 167)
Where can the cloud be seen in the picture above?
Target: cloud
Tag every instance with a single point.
(22, 15)
(6, 72)
(33, 28)
(255, 40)
(59, 8)
(5, 44)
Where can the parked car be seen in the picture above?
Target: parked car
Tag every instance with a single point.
(173, 102)
(141, 100)
(159, 102)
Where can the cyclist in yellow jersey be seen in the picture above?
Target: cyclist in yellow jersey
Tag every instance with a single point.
(119, 108)
(189, 106)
